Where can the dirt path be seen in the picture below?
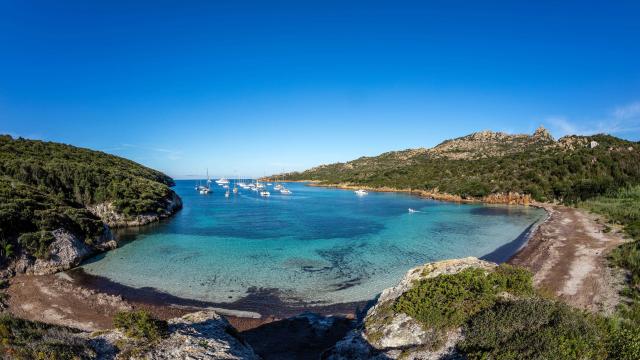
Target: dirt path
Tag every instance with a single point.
(567, 255)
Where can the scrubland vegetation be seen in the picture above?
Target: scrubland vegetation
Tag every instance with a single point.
(46, 186)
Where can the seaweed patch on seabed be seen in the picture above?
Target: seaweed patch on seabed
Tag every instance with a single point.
(346, 264)
(347, 284)
(265, 301)
(307, 265)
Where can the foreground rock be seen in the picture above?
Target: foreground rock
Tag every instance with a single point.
(387, 335)
(66, 251)
(199, 335)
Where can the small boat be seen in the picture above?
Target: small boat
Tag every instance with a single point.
(226, 194)
(225, 186)
(361, 192)
(278, 187)
(285, 191)
(413, 210)
(222, 181)
(235, 190)
(265, 193)
(269, 184)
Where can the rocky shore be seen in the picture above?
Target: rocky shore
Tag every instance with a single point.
(511, 198)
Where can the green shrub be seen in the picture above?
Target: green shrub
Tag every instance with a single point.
(536, 328)
(449, 300)
(140, 325)
(22, 339)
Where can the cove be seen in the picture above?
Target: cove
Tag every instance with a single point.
(318, 246)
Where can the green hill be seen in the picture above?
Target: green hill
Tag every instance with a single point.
(46, 186)
(570, 169)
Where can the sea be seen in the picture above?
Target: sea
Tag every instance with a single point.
(318, 245)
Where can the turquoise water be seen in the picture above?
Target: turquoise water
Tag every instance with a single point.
(317, 245)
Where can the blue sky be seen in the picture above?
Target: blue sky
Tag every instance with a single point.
(251, 88)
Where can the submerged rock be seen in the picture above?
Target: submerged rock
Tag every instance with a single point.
(384, 334)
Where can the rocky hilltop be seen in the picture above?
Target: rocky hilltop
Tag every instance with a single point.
(492, 164)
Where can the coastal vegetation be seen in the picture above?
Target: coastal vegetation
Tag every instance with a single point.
(46, 186)
(571, 169)
(623, 208)
(503, 317)
(22, 339)
(448, 301)
(140, 325)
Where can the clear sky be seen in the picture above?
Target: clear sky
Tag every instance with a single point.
(254, 87)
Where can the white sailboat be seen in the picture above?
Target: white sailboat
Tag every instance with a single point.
(205, 190)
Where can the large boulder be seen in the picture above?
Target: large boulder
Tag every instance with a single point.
(66, 251)
(195, 336)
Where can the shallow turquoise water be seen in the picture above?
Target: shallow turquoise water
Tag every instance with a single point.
(318, 245)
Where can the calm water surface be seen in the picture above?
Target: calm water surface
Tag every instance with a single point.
(318, 245)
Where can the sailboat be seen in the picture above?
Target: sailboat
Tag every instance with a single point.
(205, 190)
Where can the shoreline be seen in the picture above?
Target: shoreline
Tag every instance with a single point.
(264, 306)
(510, 198)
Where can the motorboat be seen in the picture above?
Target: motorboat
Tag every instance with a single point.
(361, 192)
(222, 181)
(285, 191)
(413, 210)
(265, 193)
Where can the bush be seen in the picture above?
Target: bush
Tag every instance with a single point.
(448, 301)
(140, 325)
(535, 329)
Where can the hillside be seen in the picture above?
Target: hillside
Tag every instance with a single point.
(50, 192)
(570, 169)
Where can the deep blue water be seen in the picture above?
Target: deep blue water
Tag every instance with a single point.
(317, 244)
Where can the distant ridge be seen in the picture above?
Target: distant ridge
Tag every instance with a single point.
(486, 162)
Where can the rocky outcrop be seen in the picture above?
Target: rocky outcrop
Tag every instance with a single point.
(66, 251)
(108, 213)
(384, 334)
(486, 143)
(199, 335)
